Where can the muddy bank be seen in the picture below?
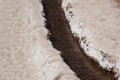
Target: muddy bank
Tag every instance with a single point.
(64, 41)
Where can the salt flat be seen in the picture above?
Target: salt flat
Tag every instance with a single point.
(25, 51)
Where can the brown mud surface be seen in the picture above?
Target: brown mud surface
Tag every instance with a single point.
(64, 41)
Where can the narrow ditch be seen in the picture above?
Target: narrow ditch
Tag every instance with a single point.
(64, 41)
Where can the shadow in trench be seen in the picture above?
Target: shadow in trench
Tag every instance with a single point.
(64, 41)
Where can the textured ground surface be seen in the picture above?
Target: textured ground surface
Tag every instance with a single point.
(25, 51)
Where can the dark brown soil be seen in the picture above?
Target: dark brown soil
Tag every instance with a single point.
(118, 3)
(64, 41)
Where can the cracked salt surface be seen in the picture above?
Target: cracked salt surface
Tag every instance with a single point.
(25, 51)
(96, 23)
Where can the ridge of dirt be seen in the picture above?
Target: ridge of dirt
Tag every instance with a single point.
(64, 41)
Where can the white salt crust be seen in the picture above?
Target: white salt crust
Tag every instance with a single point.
(25, 51)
